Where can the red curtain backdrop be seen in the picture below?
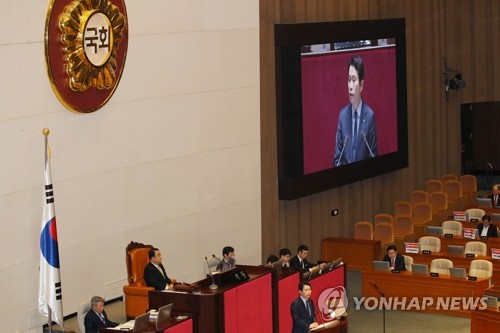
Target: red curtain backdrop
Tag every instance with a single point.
(249, 307)
(324, 94)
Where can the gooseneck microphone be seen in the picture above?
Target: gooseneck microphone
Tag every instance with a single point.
(367, 145)
(342, 151)
(213, 286)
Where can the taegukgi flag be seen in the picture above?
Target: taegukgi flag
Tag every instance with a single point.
(50, 294)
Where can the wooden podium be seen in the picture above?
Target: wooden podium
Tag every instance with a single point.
(234, 307)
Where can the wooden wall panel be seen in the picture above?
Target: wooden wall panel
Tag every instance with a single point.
(464, 34)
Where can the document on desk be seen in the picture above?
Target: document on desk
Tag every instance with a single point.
(129, 325)
(324, 325)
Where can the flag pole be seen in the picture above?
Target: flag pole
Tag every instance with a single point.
(46, 133)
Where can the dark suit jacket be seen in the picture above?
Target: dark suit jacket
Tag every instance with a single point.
(154, 278)
(344, 138)
(93, 323)
(399, 265)
(493, 201)
(295, 262)
(300, 315)
(492, 230)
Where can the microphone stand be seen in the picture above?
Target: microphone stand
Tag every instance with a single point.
(367, 145)
(381, 293)
(342, 151)
(213, 286)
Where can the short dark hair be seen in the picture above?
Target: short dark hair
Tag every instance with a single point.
(271, 259)
(357, 63)
(302, 284)
(96, 300)
(151, 252)
(486, 217)
(391, 247)
(302, 248)
(226, 250)
(285, 251)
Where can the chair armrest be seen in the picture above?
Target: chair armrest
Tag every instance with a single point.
(136, 291)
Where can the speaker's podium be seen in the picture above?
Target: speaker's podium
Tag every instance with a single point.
(242, 303)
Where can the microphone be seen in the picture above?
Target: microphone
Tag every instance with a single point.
(213, 286)
(342, 151)
(367, 145)
(381, 293)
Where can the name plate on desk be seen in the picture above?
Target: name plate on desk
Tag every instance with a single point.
(470, 255)
(448, 235)
(411, 247)
(472, 278)
(495, 253)
(469, 233)
(394, 271)
(484, 237)
(459, 216)
(426, 252)
(474, 220)
(434, 274)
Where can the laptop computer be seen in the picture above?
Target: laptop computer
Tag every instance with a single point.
(141, 322)
(333, 264)
(420, 269)
(163, 315)
(491, 302)
(483, 202)
(458, 272)
(380, 265)
(434, 231)
(457, 250)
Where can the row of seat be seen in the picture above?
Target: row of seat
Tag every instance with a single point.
(479, 268)
(433, 244)
(454, 227)
(425, 208)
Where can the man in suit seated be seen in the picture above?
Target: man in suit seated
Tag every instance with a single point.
(154, 272)
(285, 255)
(96, 318)
(303, 311)
(495, 197)
(228, 259)
(396, 261)
(486, 228)
(300, 260)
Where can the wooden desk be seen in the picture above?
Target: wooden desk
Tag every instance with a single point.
(356, 253)
(458, 261)
(460, 240)
(224, 309)
(484, 321)
(173, 325)
(408, 285)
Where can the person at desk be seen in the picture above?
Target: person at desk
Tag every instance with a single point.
(228, 259)
(486, 228)
(396, 260)
(495, 197)
(96, 318)
(300, 260)
(154, 272)
(302, 310)
(270, 260)
(285, 255)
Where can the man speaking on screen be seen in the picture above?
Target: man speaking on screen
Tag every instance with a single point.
(356, 138)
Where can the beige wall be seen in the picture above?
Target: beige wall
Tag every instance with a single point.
(172, 160)
(464, 34)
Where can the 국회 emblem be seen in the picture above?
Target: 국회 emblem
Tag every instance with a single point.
(85, 50)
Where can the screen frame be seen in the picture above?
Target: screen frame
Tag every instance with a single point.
(293, 183)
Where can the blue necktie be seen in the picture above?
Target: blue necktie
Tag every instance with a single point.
(308, 308)
(355, 136)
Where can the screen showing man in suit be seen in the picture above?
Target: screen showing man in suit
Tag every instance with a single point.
(396, 261)
(303, 311)
(356, 138)
(154, 272)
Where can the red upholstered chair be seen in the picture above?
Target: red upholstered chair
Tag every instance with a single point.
(136, 293)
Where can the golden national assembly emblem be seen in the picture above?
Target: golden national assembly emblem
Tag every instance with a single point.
(85, 49)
